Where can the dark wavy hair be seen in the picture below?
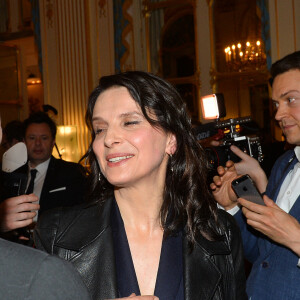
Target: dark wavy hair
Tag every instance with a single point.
(14, 130)
(285, 64)
(39, 118)
(187, 201)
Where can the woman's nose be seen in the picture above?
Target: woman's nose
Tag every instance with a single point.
(112, 136)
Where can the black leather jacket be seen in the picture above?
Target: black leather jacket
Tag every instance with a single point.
(82, 235)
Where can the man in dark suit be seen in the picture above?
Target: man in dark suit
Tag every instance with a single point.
(27, 273)
(55, 182)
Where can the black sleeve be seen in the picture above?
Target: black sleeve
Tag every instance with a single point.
(46, 229)
(234, 240)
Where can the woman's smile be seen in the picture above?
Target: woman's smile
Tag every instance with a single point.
(114, 160)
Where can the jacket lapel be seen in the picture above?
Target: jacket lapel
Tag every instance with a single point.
(201, 275)
(47, 182)
(268, 244)
(88, 244)
(288, 167)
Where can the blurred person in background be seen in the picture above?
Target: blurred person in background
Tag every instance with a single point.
(13, 133)
(51, 182)
(31, 274)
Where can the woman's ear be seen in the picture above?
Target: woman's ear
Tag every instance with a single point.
(171, 144)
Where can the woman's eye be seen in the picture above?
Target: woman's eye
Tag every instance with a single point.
(275, 104)
(98, 130)
(128, 123)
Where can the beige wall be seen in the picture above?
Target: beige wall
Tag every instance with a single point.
(285, 33)
(77, 46)
(285, 27)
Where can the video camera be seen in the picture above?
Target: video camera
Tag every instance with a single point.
(230, 131)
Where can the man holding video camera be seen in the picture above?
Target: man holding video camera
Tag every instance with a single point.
(272, 241)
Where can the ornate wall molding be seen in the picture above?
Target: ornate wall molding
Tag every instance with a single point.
(102, 8)
(49, 13)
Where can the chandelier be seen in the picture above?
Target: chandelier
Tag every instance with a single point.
(248, 56)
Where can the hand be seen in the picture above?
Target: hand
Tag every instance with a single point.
(210, 142)
(133, 296)
(273, 222)
(249, 165)
(221, 186)
(18, 212)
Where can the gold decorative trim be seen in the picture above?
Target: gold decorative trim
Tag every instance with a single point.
(295, 28)
(213, 81)
(18, 102)
(88, 45)
(49, 13)
(147, 32)
(148, 6)
(102, 8)
(127, 30)
(277, 29)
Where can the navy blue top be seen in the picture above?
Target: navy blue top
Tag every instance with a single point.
(169, 281)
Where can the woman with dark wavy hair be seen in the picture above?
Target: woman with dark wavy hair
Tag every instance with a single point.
(151, 226)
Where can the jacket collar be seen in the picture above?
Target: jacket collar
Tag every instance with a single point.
(200, 272)
(48, 179)
(286, 166)
(87, 226)
(88, 243)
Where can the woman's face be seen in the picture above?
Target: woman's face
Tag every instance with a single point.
(129, 150)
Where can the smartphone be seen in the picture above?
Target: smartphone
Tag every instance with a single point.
(244, 187)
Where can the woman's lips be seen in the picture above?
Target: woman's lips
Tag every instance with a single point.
(114, 160)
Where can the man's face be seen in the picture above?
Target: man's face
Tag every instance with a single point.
(286, 97)
(39, 142)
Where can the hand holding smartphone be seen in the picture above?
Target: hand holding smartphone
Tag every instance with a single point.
(244, 187)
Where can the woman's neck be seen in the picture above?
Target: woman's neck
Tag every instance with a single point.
(140, 209)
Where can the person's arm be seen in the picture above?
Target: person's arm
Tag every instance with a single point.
(226, 198)
(221, 186)
(17, 212)
(249, 165)
(273, 222)
(57, 279)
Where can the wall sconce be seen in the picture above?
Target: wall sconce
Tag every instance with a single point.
(32, 79)
(66, 142)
